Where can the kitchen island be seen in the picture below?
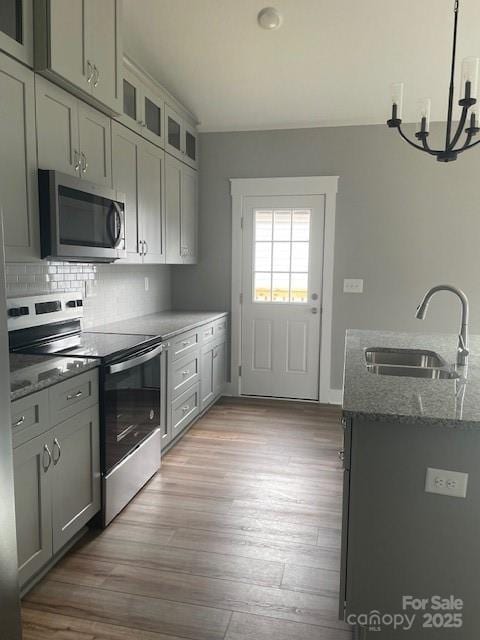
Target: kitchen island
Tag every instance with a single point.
(411, 521)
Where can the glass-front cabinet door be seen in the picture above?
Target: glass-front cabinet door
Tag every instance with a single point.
(152, 122)
(142, 109)
(16, 29)
(181, 138)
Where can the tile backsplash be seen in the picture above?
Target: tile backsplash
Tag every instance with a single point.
(111, 292)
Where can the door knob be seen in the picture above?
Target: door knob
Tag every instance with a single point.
(314, 296)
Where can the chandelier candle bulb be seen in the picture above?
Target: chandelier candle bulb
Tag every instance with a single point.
(470, 77)
(396, 99)
(424, 112)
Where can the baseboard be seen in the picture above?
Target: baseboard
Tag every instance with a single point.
(335, 396)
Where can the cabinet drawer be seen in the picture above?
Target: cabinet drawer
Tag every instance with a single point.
(208, 333)
(185, 373)
(220, 328)
(184, 409)
(29, 417)
(183, 344)
(73, 395)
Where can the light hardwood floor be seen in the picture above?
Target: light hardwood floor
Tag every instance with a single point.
(236, 538)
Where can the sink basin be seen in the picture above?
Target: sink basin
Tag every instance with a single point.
(430, 373)
(404, 358)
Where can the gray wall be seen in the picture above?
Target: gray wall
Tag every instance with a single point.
(404, 222)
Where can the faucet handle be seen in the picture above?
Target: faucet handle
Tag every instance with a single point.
(462, 346)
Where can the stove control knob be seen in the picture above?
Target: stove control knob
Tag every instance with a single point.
(14, 313)
(24, 311)
(79, 303)
(71, 303)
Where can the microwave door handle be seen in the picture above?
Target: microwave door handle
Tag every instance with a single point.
(111, 225)
(118, 225)
(135, 361)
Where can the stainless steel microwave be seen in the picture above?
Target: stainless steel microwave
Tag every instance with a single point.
(80, 221)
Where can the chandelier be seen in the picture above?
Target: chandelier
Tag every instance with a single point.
(469, 116)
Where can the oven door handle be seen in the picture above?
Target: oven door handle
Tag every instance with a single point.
(135, 361)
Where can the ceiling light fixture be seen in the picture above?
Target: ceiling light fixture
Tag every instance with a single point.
(269, 18)
(469, 84)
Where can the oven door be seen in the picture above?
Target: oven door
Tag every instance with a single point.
(131, 404)
(80, 220)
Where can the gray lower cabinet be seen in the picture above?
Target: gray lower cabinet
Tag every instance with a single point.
(33, 506)
(56, 471)
(18, 175)
(196, 375)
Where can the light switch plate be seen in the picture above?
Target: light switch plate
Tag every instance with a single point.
(446, 483)
(353, 285)
(147, 284)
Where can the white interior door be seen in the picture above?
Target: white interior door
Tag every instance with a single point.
(283, 240)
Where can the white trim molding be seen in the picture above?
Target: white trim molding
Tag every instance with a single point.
(241, 188)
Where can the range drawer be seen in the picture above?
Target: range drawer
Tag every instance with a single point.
(184, 373)
(184, 409)
(30, 417)
(183, 344)
(73, 395)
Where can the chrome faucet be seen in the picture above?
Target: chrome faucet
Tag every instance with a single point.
(462, 348)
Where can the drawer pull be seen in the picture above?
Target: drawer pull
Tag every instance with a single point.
(185, 373)
(185, 408)
(341, 455)
(56, 445)
(186, 343)
(208, 333)
(19, 421)
(72, 396)
(46, 450)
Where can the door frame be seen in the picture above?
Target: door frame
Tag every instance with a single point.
(241, 188)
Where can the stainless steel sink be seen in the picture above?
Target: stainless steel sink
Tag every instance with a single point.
(404, 358)
(430, 373)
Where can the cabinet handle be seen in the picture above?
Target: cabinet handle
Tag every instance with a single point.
(96, 76)
(19, 421)
(56, 445)
(46, 450)
(84, 163)
(185, 408)
(185, 373)
(76, 160)
(71, 396)
(341, 455)
(146, 247)
(89, 71)
(186, 343)
(215, 354)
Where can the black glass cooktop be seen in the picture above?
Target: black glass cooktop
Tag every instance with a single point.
(105, 346)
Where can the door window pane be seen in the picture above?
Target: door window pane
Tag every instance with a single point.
(191, 145)
(282, 228)
(153, 117)
(299, 287)
(280, 287)
(299, 256)
(281, 256)
(301, 225)
(11, 19)
(281, 262)
(263, 256)
(263, 287)
(129, 100)
(263, 225)
(173, 133)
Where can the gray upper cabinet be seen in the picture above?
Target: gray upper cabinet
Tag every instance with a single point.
(138, 171)
(151, 162)
(181, 207)
(143, 105)
(180, 137)
(76, 475)
(16, 29)
(78, 45)
(33, 506)
(72, 137)
(18, 172)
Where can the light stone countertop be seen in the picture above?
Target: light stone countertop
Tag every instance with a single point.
(412, 400)
(30, 373)
(164, 325)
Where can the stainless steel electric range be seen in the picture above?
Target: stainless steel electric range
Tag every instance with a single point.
(131, 381)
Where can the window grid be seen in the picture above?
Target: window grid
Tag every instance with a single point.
(280, 283)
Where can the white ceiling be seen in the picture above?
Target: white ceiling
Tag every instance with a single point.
(330, 63)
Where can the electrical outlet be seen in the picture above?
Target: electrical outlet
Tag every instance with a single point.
(353, 285)
(147, 284)
(446, 483)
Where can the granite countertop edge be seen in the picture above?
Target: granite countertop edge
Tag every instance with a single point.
(55, 379)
